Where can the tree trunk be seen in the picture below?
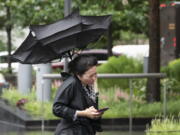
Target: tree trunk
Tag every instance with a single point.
(153, 84)
(9, 44)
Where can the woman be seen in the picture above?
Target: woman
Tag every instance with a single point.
(76, 101)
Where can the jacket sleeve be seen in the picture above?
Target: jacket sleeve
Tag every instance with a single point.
(61, 106)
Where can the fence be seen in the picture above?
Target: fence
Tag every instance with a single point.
(123, 76)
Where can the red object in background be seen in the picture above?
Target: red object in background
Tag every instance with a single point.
(21, 102)
(58, 65)
(174, 41)
(173, 4)
(163, 5)
(1, 84)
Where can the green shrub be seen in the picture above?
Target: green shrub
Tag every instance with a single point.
(139, 88)
(118, 102)
(12, 95)
(174, 69)
(115, 99)
(173, 73)
(32, 106)
(40, 110)
(121, 64)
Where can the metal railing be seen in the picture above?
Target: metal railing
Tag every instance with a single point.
(111, 76)
(130, 77)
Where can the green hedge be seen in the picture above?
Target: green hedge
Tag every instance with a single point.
(32, 106)
(121, 64)
(174, 69)
(115, 99)
(173, 72)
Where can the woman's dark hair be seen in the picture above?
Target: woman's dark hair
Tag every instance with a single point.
(80, 64)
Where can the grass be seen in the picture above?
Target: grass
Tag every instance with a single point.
(168, 126)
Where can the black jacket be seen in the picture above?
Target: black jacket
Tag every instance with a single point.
(71, 97)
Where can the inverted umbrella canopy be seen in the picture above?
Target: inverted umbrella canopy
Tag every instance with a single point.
(52, 41)
(32, 52)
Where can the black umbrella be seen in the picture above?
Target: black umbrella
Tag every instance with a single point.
(31, 51)
(54, 40)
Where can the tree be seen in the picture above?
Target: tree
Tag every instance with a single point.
(133, 16)
(130, 16)
(153, 84)
(32, 12)
(15, 13)
(7, 19)
(2, 46)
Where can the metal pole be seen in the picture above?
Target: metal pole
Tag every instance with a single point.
(164, 101)
(67, 11)
(130, 106)
(67, 7)
(43, 69)
(145, 64)
(42, 107)
(24, 78)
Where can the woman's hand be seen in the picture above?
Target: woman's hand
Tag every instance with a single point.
(90, 112)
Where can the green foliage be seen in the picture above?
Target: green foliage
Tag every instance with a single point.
(125, 17)
(135, 14)
(131, 16)
(119, 106)
(2, 46)
(174, 69)
(121, 64)
(33, 107)
(129, 37)
(166, 1)
(40, 12)
(173, 73)
(171, 84)
(164, 127)
(115, 99)
(139, 88)
(26, 12)
(12, 95)
(53, 92)
(36, 108)
(11, 4)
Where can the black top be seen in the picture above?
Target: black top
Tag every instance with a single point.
(71, 97)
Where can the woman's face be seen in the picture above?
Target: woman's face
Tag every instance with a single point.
(89, 77)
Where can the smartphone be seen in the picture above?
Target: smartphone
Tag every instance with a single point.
(103, 109)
